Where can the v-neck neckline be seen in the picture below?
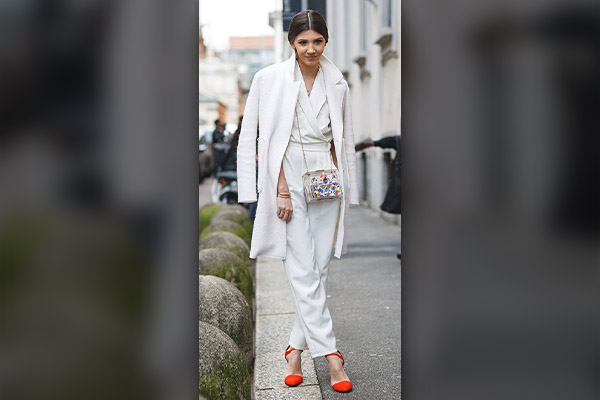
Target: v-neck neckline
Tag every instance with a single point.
(314, 81)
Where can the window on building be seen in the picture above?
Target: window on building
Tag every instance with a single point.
(387, 36)
(387, 13)
(363, 27)
(364, 39)
(364, 188)
(332, 23)
(347, 37)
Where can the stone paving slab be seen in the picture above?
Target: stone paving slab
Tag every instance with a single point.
(274, 320)
(275, 296)
(298, 392)
(269, 365)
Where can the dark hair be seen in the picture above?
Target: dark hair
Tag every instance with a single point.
(308, 20)
(217, 121)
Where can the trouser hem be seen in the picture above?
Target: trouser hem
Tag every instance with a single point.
(322, 354)
(297, 347)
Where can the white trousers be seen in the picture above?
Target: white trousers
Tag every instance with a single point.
(310, 240)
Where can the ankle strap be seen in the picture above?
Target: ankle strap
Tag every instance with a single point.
(288, 350)
(338, 354)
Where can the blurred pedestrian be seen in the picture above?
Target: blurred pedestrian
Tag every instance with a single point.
(218, 146)
(303, 105)
(229, 163)
(392, 202)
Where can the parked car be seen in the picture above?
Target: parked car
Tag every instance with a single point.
(205, 156)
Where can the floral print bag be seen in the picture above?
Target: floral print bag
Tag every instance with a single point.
(320, 185)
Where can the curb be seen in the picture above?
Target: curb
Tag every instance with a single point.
(274, 319)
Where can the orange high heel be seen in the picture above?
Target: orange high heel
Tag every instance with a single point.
(343, 386)
(292, 380)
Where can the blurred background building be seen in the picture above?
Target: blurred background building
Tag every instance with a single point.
(249, 54)
(364, 42)
(227, 61)
(210, 107)
(218, 80)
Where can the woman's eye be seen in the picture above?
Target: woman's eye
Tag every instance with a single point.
(318, 41)
(302, 42)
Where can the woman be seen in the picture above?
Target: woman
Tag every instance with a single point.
(303, 108)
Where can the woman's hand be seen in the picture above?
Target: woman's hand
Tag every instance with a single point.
(284, 208)
(284, 203)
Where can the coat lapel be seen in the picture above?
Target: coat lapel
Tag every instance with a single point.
(318, 96)
(293, 86)
(334, 92)
(282, 115)
(335, 89)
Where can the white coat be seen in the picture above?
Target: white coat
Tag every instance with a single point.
(270, 108)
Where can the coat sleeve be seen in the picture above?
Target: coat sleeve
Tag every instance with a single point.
(349, 149)
(246, 153)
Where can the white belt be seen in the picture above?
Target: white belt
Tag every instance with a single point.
(314, 146)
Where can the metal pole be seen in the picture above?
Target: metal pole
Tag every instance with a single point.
(304, 5)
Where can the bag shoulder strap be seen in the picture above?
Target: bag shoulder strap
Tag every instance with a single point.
(302, 143)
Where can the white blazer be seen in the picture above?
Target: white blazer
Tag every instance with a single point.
(270, 108)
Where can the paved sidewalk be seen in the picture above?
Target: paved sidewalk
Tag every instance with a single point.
(364, 300)
(363, 290)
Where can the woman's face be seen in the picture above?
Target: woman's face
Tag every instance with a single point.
(309, 46)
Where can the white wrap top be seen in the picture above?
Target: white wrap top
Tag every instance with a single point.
(313, 112)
